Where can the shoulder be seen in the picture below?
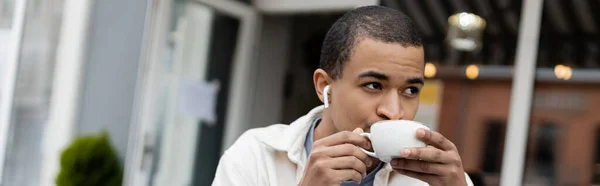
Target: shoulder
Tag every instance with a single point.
(253, 144)
(258, 138)
(243, 161)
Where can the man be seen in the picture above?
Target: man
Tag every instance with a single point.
(372, 64)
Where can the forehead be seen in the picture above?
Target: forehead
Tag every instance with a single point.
(392, 59)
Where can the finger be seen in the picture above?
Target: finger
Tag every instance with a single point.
(429, 178)
(348, 150)
(435, 139)
(349, 162)
(344, 137)
(430, 154)
(360, 131)
(348, 174)
(418, 166)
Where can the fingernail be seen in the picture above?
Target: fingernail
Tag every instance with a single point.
(405, 152)
(421, 133)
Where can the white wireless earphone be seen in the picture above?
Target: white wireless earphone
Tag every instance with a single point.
(325, 95)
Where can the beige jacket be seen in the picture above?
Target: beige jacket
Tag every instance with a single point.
(275, 155)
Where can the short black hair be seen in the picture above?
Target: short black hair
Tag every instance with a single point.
(374, 22)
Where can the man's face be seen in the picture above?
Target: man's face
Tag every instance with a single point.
(380, 81)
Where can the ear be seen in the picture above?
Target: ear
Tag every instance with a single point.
(321, 79)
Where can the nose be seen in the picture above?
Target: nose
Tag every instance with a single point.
(390, 108)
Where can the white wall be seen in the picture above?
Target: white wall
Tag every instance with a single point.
(295, 6)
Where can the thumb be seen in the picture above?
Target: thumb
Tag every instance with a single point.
(358, 131)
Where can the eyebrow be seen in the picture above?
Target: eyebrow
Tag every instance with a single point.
(382, 76)
(416, 80)
(374, 74)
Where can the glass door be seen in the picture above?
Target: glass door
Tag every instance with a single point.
(197, 82)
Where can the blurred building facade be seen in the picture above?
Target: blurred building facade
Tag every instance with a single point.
(175, 82)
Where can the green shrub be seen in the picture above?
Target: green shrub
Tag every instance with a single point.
(90, 161)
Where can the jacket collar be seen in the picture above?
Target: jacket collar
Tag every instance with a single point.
(291, 139)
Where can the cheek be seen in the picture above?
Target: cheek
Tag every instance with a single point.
(352, 110)
(410, 108)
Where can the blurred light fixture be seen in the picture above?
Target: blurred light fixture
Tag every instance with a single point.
(465, 31)
(430, 70)
(472, 71)
(563, 72)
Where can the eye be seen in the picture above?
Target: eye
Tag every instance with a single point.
(412, 91)
(373, 86)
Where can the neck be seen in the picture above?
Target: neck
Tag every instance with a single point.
(324, 127)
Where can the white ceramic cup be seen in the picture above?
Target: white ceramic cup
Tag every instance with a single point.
(389, 137)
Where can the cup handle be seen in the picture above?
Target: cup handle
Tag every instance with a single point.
(368, 136)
